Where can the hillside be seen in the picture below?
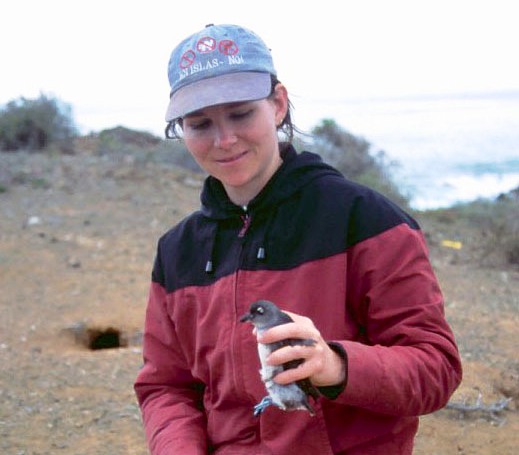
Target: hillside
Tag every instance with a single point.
(77, 242)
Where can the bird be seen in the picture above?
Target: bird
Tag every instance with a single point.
(264, 314)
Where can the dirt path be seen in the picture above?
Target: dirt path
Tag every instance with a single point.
(77, 241)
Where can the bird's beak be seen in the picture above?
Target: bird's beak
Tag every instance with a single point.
(247, 317)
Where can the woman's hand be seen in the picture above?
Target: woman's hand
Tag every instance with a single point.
(322, 365)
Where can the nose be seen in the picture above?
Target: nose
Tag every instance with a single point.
(225, 137)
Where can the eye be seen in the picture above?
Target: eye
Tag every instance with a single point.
(241, 114)
(198, 124)
(260, 310)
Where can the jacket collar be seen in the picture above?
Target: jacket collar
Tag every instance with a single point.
(296, 171)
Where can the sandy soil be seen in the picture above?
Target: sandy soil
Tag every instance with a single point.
(77, 241)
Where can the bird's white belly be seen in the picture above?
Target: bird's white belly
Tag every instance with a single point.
(267, 371)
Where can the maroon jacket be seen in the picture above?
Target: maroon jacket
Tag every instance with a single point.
(334, 251)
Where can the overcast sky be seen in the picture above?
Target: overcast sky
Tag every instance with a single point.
(108, 58)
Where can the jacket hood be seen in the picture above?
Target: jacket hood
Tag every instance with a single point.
(297, 170)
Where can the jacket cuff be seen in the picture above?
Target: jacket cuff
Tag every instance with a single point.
(333, 391)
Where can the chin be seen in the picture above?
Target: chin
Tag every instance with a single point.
(235, 182)
(234, 177)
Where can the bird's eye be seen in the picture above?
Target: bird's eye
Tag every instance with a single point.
(260, 310)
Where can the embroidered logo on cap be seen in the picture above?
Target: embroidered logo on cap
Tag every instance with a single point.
(191, 61)
(187, 59)
(228, 47)
(206, 44)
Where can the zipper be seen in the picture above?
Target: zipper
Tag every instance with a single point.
(246, 220)
(236, 342)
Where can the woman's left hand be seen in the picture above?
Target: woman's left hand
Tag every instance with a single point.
(322, 365)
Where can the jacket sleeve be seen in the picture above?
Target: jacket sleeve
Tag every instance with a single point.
(408, 363)
(169, 397)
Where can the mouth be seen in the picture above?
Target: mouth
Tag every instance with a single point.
(231, 159)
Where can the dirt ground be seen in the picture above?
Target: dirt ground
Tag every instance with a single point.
(77, 240)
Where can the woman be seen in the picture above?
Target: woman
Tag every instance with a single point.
(349, 266)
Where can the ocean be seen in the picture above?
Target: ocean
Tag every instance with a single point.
(447, 149)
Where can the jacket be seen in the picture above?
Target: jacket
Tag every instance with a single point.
(318, 245)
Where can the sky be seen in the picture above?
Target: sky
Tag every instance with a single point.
(108, 58)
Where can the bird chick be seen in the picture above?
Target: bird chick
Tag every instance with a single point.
(264, 315)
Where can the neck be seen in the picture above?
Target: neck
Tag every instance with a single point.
(242, 195)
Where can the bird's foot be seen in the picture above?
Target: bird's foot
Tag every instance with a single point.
(262, 405)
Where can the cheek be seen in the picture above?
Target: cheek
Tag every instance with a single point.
(263, 130)
(197, 147)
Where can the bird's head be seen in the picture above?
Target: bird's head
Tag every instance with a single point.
(261, 314)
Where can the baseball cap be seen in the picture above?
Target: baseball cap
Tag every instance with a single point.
(219, 64)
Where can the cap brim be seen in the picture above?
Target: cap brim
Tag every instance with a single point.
(227, 88)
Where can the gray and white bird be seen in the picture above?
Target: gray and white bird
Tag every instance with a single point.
(264, 315)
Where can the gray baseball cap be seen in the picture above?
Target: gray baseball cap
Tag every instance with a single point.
(219, 64)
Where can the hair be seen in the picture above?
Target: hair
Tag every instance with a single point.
(174, 127)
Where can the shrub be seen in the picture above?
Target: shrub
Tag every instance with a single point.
(34, 124)
(498, 221)
(351, 155)
(125, 140)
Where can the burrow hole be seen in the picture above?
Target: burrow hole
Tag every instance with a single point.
(95, 337)
(110, 338)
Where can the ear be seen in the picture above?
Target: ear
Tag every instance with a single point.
(280, 100)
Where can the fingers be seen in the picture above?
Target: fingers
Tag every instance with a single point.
(311, 357)
(322, 365)
(290, 353)
(302, 328)
(303, 371)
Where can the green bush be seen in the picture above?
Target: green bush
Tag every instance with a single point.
(35, 124)
(351, 155)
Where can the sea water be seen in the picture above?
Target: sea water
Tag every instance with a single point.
(448, 149)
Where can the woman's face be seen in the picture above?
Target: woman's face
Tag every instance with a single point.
(237, 143)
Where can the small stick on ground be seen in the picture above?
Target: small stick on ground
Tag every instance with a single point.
(492, 409)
